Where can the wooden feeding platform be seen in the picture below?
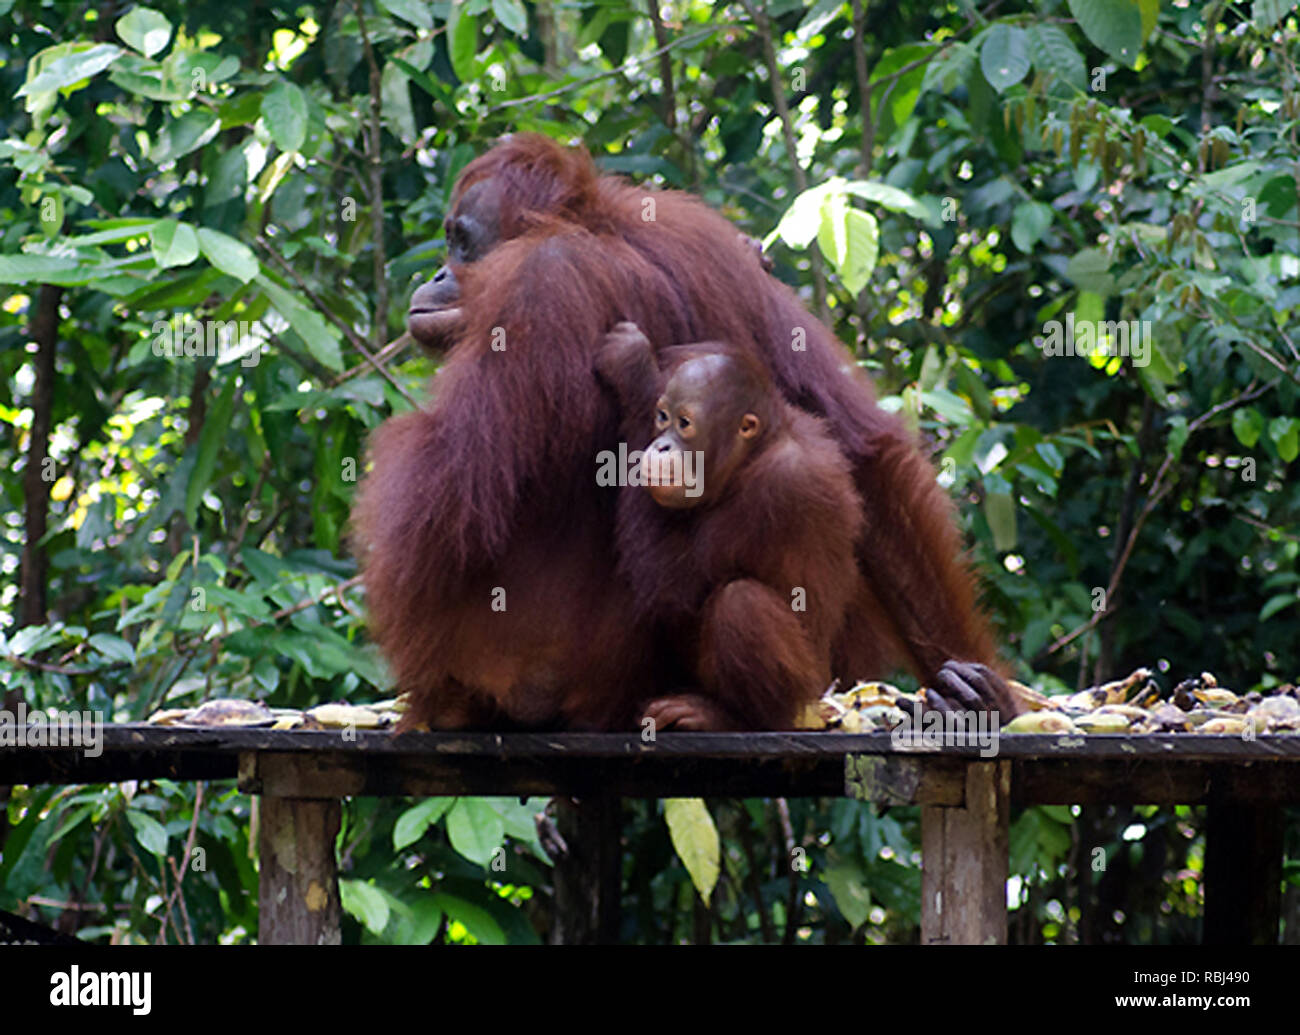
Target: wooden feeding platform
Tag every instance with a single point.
(965, 799)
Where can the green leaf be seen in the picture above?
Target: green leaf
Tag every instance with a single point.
(425, 81)
(850, 892)
(188, 133)
(420, 926)
(1054, 54)
(32, 638)
(1029, 222)
(1089, 307)
(285, 110)
(1247, 425)
(951, 67)
(151, 84)
(863, 248)
(803, 219)
(1159, 370)
(520, 818)
(931, 369)
(148, 831)
(228, 178)
(819, 16)
(28, 269)
(512, 15)
(614, 41)
(71, 820)
(1042, 480)
(1267, 13)
(414, 11)
(78, 61)
(1089, 269)
(145, 30)
(211, 440)
(951, 407)
(1150, 10)
(1113, 26)
(475, 829)
(112, 231)
(173, 243)
(1000, 512)
(1278, 603)
(1179, 432)
(1160, 125)
(181, 66)
(365, 902)
(53, 269)
(849, 238)
(315, 333)
(51, 210)
(266, 674)
(113, 647)
(412, 823)
(695, 839)
(1004, 57)
(889, 197)
(1278, 196)
(228, 255)
(477, 920)
(464, 45)
(832, 235)
(395, 97)
(906, 89)
(1285, 433)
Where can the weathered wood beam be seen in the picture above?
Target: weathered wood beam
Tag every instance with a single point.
(298, 891)
(964, 862)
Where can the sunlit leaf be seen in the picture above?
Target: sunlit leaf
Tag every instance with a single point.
(695, 839)
(144, 29)
(1004, 57)
(285, 110)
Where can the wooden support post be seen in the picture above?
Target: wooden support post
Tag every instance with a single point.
(299, 888)
(964, 862)
(589, 878)
(1243, 873)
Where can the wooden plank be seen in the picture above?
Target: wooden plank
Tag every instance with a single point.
(1047, 769)
(66, 766)
(964, 862)
(589, 876)
(905, 781)
(341, 775)
(1243, 869)
(1149, 781)
(298, 892)
(1186, 746)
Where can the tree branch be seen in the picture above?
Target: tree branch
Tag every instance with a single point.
(1155, 494)
(379, 327)
(764, 27)
(354, 339)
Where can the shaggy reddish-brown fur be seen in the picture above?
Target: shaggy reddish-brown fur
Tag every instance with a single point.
(492, 487)
(749, 588)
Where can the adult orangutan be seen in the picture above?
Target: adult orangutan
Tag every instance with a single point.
(486, 543)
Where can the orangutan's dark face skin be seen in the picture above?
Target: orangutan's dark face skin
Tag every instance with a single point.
(473, 229)
(700, 414)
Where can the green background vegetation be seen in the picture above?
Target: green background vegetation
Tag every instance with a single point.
(289, 163)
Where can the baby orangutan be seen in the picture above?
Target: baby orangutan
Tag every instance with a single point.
(750, 505)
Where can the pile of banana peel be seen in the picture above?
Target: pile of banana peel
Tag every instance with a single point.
(1134, 704)
(231, 712)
